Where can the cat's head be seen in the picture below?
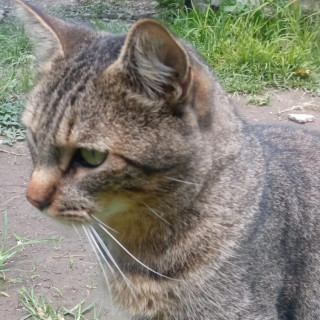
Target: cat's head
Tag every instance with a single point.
(115, 124)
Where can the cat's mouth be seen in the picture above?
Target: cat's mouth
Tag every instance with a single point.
(71, 215)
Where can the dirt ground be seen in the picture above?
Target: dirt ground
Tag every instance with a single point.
(66, 272)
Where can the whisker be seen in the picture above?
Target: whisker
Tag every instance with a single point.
(78, 233)
(157, 215)
(101, 223)
(106, 250)
(95, 234)
(134, 258)
(91, 241)
(182, 181)
(99, 250)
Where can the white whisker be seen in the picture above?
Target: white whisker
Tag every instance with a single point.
(182, 181)
(101, 223)
(157, 215)
(106, 250)
(91, 241)
(78, 233)
(134, 258)
(99, 250)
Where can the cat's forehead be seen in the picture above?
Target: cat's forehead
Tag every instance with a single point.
(91, 58)
(66, 96)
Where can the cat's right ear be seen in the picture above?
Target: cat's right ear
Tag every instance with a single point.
(156, 61)
(51, 36)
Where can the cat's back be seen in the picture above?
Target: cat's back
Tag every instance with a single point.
(280, 250)
(292, 180)
(289, 152)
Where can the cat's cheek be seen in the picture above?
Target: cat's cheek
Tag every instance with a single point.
(112, 206)
(67, 211)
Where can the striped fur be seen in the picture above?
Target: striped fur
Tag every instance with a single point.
(195, 214)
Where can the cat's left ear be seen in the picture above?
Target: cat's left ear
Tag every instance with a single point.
(50, 35)
(156, 61)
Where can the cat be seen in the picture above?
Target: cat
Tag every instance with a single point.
(195, 214)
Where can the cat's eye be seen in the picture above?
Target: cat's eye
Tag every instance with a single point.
(91, 158)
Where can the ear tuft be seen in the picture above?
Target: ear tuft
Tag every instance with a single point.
(51, 36)
(156, 61)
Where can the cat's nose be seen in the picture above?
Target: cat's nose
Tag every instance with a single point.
(41, 189)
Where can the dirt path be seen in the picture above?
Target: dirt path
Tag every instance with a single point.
(66, 272)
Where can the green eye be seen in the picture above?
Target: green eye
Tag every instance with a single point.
(92, 158)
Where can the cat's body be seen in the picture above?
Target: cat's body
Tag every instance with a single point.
(222, 216)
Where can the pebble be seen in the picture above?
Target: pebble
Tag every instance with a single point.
(301, 118)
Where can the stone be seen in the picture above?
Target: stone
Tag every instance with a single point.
(301, 118)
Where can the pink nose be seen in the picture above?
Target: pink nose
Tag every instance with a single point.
(41, 190)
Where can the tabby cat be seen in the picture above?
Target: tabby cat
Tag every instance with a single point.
(195, 214)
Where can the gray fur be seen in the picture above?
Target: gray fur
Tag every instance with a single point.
(237, 206)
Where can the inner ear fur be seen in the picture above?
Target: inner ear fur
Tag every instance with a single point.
(156, 61)
(51, 36)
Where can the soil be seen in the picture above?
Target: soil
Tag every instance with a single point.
(66, 271)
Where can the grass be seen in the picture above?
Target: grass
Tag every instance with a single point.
(16, 78)
(259, 100)
(10, 125)
(112, 27)
(274, 45)
(38, 307)
(7, 254)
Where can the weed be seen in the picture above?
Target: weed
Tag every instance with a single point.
(10, 125)
(42, 309)
(71, 262)
(112, 26)
(171, 4)
(6, 255)
(259, 100)
(16, 78)
(251, 49)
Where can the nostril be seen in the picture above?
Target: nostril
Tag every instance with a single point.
(42, 188)
(40, 204)
(40, 196)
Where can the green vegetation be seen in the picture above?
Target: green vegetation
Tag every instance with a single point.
(171, 4)
(7, 254)
(38, 307)
(112, 27)
(252, 49)
(16, 78)
(274, 45)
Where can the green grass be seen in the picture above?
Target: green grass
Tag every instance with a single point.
(255, 49)
(112, 27)
(16, 78)
(250, 50)
(171, 4)
(6, 254)
(38, 307)
(10, 125)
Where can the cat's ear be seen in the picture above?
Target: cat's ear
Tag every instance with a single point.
(156, 61)
(51, 36)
